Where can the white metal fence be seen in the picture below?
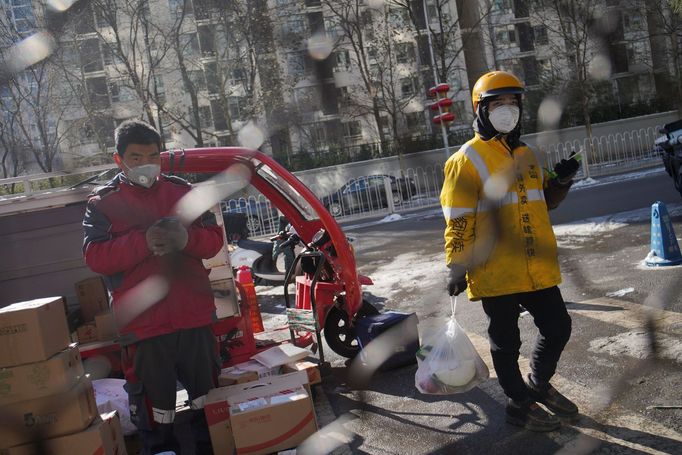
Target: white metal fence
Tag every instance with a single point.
(416, 187)
(604, 155)
(610, 153)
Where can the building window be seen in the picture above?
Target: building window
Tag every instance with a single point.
(343, 59)
(407, 86)
(372, 52)
(189, 44)
(97, 92)
(317, 133)
(160, 90)
(177, 7)
(219, 118)
(206, 40)
(120, 93)
(501, 5)
(343, 94)
(632, 20)
(198, 80)
(399, 17)
(91, 58)
(238, 107)
(20, 14)
(331, 27)
(352, 130)
(404, 52)
(505, 35)
(415, 121)
(238, 75)
(293, 24)
(540, 35)
(205, 119)
(297, 63)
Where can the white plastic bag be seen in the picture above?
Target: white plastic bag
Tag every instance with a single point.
(447, 361)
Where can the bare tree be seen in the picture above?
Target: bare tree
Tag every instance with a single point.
(663, 28)
(351, 18)
(579, 41)
(33, 121)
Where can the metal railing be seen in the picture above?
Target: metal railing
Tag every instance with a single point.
(418, 188)
(610, 153)
(606, 154)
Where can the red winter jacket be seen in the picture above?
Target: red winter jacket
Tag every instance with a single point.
(116, 219)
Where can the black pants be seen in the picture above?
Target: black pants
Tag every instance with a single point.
(152, 369)
(551, 318)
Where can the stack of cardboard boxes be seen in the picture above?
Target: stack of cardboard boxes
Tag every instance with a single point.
(47, 404)
(97, 320)
(264, 405)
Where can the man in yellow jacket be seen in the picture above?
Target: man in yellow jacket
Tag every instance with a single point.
(500, 246)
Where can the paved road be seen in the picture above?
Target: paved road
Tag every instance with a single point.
(405, 259)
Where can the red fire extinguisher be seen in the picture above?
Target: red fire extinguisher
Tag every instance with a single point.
(246, 280)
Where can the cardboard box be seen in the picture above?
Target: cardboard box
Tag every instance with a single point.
(218, 420)
(223, 257)
(103, 437)
(32, 331)
(50, 416)
(225, 297)
(260, 417)
(259, 368)
(55, 375)
(223, 272)
(233, 375)
(311, 367)
(219, 260)
(87, 333)
(281, 355)
(271, 417)
(92, 297)
(106, 326)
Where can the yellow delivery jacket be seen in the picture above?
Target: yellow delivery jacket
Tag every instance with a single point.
(497, 221)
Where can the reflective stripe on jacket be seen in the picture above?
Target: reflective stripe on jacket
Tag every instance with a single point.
(497, 223)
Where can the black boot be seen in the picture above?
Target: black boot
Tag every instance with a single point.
(550, 397)
(161, 439)
(529, 415)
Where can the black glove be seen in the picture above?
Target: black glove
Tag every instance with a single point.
(566, 169)
(166, 236)
(456, 279)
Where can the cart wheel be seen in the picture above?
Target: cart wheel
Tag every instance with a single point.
(339, 335)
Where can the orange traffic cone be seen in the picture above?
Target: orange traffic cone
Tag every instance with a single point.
(246, 280)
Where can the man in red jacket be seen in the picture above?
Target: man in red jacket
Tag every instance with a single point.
(161, 294)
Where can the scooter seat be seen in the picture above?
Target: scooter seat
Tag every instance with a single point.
(264, 248)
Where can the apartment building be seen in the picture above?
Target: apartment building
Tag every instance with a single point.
(313, 75)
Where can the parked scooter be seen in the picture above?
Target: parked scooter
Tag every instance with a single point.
(268, 261)
(670, 147)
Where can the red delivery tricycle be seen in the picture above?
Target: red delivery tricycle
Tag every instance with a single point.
(329, 289)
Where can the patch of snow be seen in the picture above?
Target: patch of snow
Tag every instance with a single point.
(584, 182)
(391, 217)
(591, 183)
(636, 344)
(587, 227)
(607, 223)
(642, 265)
(651, 258)
(620, 292)
(408, 271)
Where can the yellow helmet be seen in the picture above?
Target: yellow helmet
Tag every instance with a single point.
(495, 83)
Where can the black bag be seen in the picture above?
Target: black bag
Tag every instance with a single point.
(404, 342)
